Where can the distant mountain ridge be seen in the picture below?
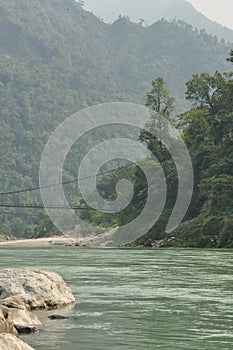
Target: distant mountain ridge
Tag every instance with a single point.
(153, 10)
(185, 11)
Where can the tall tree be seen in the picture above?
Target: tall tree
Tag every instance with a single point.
(158, 99)
(230, 59)
(160, 104)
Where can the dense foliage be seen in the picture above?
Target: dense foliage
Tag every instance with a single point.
(207, 129)
(208, 133)
(56, 59)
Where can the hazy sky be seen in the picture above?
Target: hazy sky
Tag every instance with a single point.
(220, 11)
(217, 10)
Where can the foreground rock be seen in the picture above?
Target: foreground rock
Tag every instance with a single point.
(36, 289)
(13, 302)
(24, 321)
(6, 322)
(18, 321)
(10, 342)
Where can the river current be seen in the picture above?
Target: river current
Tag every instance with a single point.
(136, 299)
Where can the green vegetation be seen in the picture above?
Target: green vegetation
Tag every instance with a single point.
(208, 133)
(56, 59)
(207, 129)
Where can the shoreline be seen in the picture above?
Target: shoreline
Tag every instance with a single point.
(91, 240)
(38, 242)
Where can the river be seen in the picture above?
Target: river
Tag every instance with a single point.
(136, 299)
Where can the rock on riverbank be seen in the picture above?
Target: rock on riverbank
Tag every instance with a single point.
(11, 342)
(22, 290)
(37, 289)
(6, 322)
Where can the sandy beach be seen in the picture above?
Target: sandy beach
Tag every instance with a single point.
(91, 240)
(39, 242)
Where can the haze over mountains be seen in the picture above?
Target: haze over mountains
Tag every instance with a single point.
(153, 10)
(56, 59)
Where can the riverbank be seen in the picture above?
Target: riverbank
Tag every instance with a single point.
(90, 240)
(39, 242)
(23, 291)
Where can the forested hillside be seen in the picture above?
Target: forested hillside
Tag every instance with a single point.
(207, 129)
(56, 59)
(208, 134)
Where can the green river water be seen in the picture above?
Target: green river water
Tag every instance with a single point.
(136, 299)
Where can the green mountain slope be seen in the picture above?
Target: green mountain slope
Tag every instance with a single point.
(56, 59)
